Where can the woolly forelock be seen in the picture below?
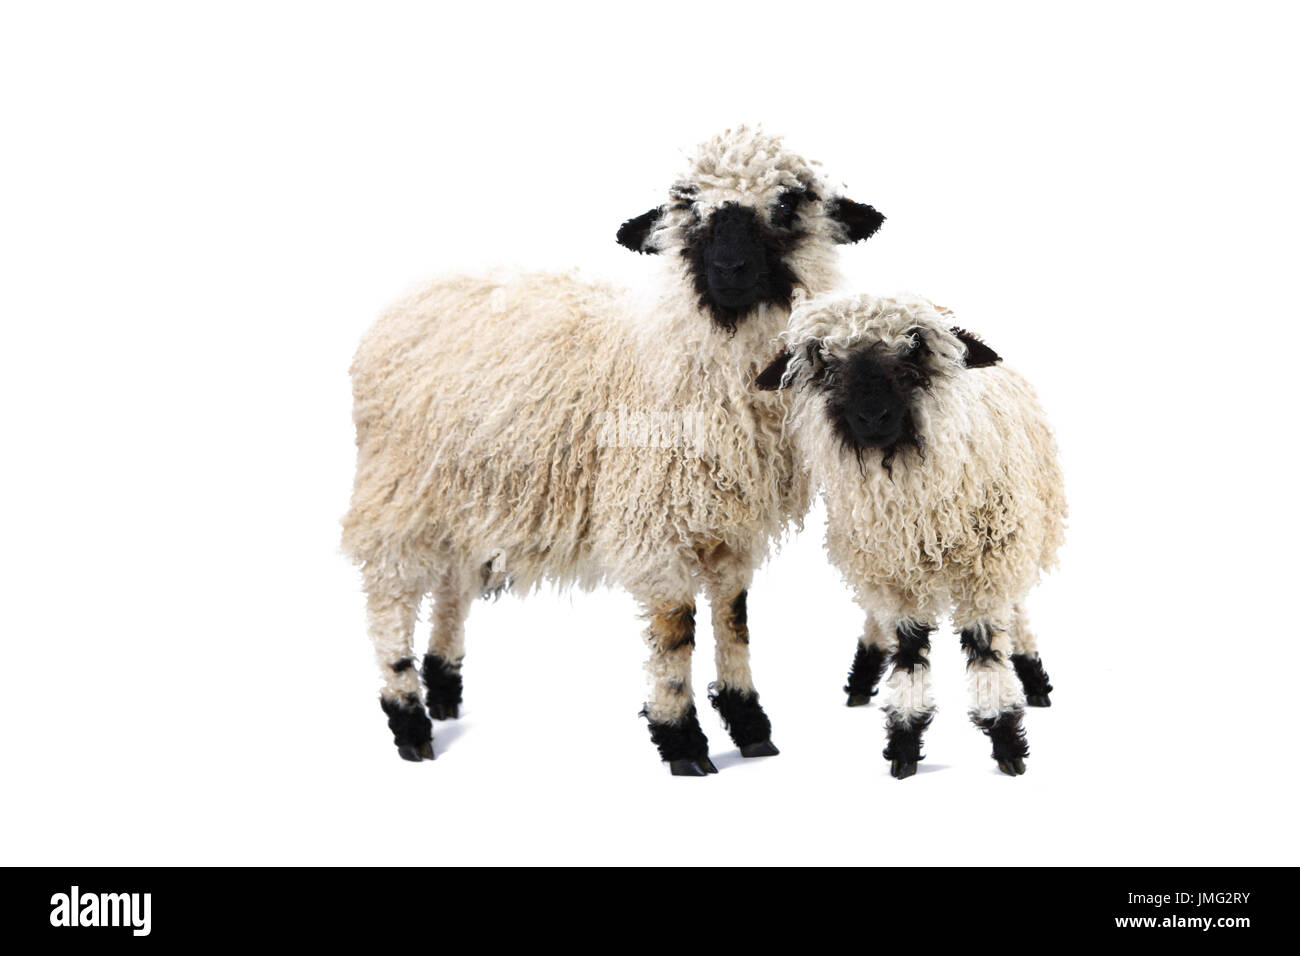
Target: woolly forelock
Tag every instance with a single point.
(972, 518)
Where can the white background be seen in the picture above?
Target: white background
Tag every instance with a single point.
(204, 206)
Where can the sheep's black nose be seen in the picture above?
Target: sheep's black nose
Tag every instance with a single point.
(872, 426)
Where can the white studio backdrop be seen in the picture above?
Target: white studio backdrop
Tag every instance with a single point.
(204, 206)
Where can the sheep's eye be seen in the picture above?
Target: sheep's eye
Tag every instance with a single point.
(783, 210)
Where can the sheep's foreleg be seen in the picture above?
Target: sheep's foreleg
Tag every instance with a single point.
(868, 663)
(997, 700)
(1028, 665)
(391, 607)
(910, 708)
(674, 724)
(733, 695)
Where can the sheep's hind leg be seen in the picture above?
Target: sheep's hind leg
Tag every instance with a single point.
(997, 700)
(442, 664)
(391, 607)
(1028, 665)
(674, 723)
(733, 695)
(910, 708)
(868, 663)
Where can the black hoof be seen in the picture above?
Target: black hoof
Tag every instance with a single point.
(691, 767)
(1033, 678)
(1010, 748)
(412, 731)
(444, 711)
(682, 745)
(868, 666)
(416, 752)
(443, 687)
(904, 748)
(763, 748)
(743, 717)
(902, 769)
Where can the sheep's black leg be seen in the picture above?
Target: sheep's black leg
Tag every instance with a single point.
(442, 665)
(868, 665)
(910, 708)
(1025, 659)
(442, 686)
(682, 745)
(997, 700)
(412, 731)
(674, 725)
(1033, 678)
(391, 612)
(903, 750)
(744, 719)
(733, 695)
(864, 676)
(1010, 748)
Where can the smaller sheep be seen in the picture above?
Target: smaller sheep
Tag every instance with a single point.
(942, 491)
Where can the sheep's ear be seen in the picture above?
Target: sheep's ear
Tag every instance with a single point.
(770, 378)
(859, 221)
(978, 355)
(633, 232)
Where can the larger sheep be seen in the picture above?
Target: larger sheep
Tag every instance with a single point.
(942, 489)
(542, 427)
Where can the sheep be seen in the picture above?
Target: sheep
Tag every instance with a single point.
(942, 489)
(502, 440)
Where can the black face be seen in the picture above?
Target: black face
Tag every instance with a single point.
(869, 408)
(734, 258)
(738, 258)
(869, 395)
(869, 399)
